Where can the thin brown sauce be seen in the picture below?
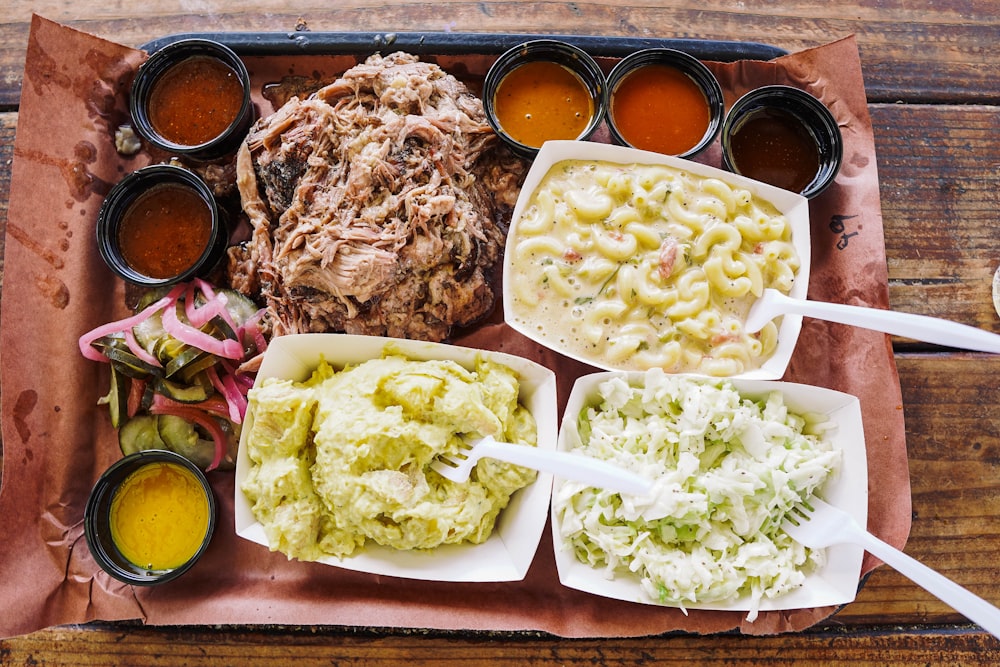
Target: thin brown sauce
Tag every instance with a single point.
(195, 101)
(165, 231)
(773, 146)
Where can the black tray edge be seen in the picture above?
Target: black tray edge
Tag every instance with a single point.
(459, 43)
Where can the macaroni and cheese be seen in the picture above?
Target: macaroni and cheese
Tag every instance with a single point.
(648, 266)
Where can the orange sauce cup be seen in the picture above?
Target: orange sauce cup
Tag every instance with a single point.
(161, 225)
(544, 90)
(192, 98)
(665, 101)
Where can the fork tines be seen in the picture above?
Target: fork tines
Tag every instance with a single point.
(802, 509)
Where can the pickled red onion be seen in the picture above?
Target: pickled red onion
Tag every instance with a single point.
(214, 405)
(136, 390)
(229, 401)
(185, 333)
(139, 350)
(215, 306)
(86, 340)
(227, 388)
(251, 329)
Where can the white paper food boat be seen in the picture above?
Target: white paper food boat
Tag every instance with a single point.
(508, 552)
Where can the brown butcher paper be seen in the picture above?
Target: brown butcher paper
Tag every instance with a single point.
(57, 440)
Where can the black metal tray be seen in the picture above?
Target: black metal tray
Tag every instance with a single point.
(459, 43)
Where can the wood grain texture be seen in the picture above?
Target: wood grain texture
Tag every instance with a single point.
(953, 443)
(939, 167)
(100, 645)
(914, 51)
(931, 72)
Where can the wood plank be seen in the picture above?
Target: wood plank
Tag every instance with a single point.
(152, 647)
(953, 445)
(938, 169)
(927, 51)
(937, 164)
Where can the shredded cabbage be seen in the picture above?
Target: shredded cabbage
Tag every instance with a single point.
(727, 469)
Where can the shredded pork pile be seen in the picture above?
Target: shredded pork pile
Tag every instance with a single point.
(379, 205)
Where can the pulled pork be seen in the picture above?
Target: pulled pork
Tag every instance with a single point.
(379, 205)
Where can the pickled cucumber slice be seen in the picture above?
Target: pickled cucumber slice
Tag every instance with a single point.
(117, 397)
(139, 434)
(181, 437)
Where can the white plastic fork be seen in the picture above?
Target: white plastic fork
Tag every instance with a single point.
(595, 472)
(820, 524)
(773, 303)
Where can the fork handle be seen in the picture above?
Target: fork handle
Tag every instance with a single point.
(962, 600)
(570, 466)
(909, 325)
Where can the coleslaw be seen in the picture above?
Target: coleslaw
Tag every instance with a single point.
(728, 468)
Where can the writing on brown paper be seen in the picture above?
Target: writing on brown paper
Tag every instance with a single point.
(838, 225)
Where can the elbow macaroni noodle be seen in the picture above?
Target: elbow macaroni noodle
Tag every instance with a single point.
(646, 266)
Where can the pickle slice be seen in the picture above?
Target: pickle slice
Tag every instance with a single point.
(139, 434)
(181, 436)
(117, 397)
(182, 393)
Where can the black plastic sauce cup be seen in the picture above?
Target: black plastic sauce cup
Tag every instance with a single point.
(158, 64)
(571, 57)
(812, 119)
(118, 203)
(686, 64)
(97, 519)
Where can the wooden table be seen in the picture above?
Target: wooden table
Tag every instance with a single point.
(932, 72)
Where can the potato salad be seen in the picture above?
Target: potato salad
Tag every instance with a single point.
(343, 458)
(727, 469)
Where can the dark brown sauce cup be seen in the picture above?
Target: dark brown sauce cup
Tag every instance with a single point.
(806, 119)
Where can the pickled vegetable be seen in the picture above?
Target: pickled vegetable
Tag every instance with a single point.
(140, 434)
(178, 358)
(117, 397)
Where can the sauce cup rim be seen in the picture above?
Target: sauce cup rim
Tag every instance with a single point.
(126, 191)
(96, 516)
(581, 63)
(815, 116)
(162, 60)
(695, 69)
